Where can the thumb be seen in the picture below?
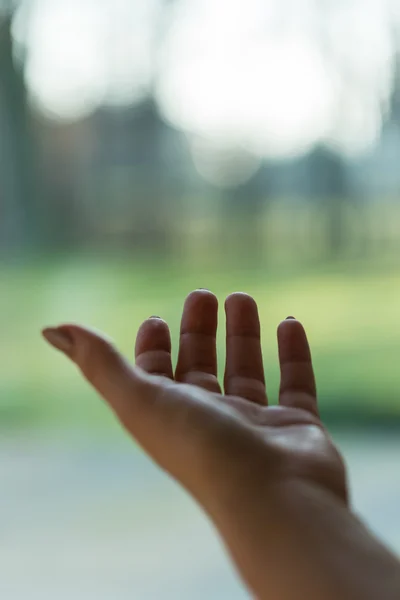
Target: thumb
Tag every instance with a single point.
(131, 393)
(179, 426)
(170, 423)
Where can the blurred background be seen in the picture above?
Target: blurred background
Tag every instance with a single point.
(151, 147)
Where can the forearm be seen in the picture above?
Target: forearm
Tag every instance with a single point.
(299, 542)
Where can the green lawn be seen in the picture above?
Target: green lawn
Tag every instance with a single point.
(351, 316)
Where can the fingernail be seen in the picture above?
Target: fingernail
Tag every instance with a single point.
(290, 318)
(59, 339)
(154, 317)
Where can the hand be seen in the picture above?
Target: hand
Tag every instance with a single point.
(268, 476)
(214, 443)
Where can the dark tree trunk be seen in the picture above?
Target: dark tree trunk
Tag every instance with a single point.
(19, 219)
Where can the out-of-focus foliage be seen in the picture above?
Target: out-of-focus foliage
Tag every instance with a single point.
(150, 147)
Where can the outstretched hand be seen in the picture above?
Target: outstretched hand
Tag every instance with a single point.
(214, 441)
(269, 477)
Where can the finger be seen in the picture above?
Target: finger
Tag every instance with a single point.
(244, 371)
(297, 387)
(153, 348)
(197, 359)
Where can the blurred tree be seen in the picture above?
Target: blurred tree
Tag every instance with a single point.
(244, 207)
(136, 174)
(62, 159)
(394, 107)
(19, 220)
(152, 143)
(328, 185)
(136, 161)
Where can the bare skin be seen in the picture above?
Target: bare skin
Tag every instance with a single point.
(251, 466)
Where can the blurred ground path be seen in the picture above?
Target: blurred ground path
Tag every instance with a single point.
(95, 520)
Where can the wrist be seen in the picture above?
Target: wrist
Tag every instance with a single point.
(297, 540)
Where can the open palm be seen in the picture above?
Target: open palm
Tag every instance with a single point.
(205, 438)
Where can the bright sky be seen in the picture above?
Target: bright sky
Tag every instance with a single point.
(271, 76)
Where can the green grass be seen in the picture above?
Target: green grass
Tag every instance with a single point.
(350, 315)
